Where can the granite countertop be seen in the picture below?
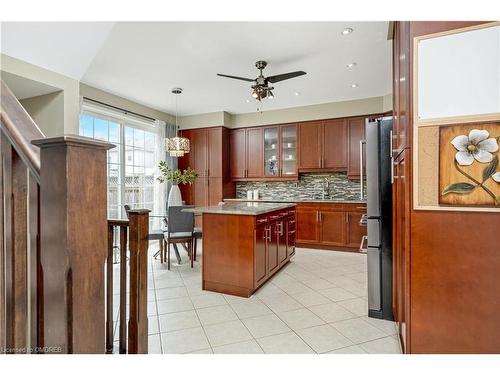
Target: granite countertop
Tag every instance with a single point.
(297, 200)
(241, 208)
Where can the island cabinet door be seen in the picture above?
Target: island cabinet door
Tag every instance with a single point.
(290, 231)
(260, 254)
(272, 252)
(281, 235)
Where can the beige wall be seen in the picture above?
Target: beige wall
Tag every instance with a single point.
(387, 102)
(348, 108)
(204, 120)
(117, 101)
(48, 112)
(69, 89)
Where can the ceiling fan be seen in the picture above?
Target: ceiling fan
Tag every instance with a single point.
(261, 88)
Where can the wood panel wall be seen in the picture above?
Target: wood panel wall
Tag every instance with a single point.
(455, 267)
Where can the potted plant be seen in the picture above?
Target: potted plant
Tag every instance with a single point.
(176, 177)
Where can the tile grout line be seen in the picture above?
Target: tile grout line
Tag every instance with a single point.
(231, 306)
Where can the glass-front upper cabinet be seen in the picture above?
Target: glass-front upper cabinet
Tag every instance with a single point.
(289, 150)
(271, 152)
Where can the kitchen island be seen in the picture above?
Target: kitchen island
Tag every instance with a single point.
(244, 244)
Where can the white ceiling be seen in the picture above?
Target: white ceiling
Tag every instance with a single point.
(63, 47)
(142, 61)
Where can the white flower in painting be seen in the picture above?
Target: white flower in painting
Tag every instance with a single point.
(475, 146)
(496, 177)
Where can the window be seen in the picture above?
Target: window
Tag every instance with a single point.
(131, 164)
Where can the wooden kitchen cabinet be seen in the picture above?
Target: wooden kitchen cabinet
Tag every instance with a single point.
(309, 143)
(307, 226)
(237, 146)
(274, 243)
(260, 253)
(323, 145)
(264, 153)
(354, 232)
(335, 144)
(272, 252)
(355, 134)
(209, 157)
(330, 225)
(246, 153)
(254, 152)
(289, 150)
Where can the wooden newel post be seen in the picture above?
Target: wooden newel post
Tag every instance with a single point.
(138, 320)
(73, 226)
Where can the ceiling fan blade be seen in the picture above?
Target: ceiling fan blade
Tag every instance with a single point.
(282, 77)
(234, 77)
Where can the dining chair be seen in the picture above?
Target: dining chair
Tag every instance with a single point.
(180, 229)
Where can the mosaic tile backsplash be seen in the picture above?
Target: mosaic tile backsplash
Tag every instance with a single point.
(310, 186)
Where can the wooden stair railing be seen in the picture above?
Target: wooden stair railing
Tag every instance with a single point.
(138, 228)
(53, 240)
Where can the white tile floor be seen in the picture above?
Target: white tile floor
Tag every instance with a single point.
(315, 304)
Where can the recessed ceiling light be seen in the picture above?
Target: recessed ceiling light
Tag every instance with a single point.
(347, 31)
(248, 100)
(354, 85)
(297, 93)
(351, 65)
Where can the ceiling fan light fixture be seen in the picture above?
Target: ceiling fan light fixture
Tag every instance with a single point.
(260, 87)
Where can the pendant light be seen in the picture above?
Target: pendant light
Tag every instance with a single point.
(177, 146)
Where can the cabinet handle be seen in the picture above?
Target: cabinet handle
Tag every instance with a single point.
(270, 234)
(347, 218)
(317, 215)
(390, 144)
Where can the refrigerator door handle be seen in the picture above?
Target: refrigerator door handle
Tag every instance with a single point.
(392, 170)
(390, 144)
(361, 193)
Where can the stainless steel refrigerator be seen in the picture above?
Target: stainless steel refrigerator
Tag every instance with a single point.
(378, 136)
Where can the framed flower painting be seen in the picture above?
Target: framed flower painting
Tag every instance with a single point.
(469, 173)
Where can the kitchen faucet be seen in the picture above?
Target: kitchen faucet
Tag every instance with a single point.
(326, 188)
